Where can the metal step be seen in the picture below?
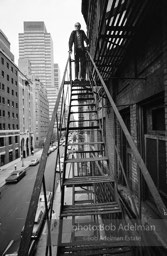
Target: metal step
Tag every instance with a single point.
(87, 143)
(84, 120)
(83, 191)
(83, 128)
(84, 105)
(83, 112)
(99, 247)
(92, 159)
(83, 202)
(82, 89)
(76, 94)
(85, 151)
(90, 209)
(82, 99)
(87, 180)
(80, 84)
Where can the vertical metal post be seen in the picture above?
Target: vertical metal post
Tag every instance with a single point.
(48, 245)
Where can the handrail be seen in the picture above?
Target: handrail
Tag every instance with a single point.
(160, 205)
(26, 237)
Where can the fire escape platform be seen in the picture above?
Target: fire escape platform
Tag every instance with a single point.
(90, 209)
(87, 180)
(93, 159)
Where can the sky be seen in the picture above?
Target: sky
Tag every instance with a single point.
(59, 17)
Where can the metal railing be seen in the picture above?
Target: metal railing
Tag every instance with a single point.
(58, 124)
(103, 93)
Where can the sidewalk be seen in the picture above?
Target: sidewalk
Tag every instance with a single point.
(7, 169)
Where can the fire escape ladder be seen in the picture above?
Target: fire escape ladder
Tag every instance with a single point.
(89, 196)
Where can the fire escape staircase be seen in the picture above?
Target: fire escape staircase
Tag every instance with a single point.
(87, 182)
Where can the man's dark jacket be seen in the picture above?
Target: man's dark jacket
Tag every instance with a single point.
(73, 39)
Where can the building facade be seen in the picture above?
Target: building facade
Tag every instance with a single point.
(40, 104)
(56, 76)
(26, 120)
(132, 59)
(41, 112)
(9, 104)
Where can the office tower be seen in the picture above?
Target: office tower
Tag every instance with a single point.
(36, 45)
(9, 107)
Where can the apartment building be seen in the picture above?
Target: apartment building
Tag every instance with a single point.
(9, 104)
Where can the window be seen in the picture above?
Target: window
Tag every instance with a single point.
(8, 114)
(10, 156)
(2, 61)
(12, 115)
(16, 105)
(12, 80)
(16, 72)
(16, 94)
(16, 153)
(158, 119)
(12, 92)
(12, 104)
(12, 69)
(3, 100)
(2, 160)
(3, 87)
(4, 126)
(17, 126)
(2, 73)
(7, 64)
(16, 83)
(16, 139)
(3, 112)
(2, 143)
(8, 90)
(10, 140)
(8, 103)
(8, 126)
(8, 77)
(13, 126)
(17, 116)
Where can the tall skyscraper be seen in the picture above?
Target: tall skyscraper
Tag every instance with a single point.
(36, 45)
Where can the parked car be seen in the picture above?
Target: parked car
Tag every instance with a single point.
(34, 162)
(13, 248)
(40, 215)
(15, 176)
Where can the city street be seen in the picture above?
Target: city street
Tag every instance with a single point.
(15, 199)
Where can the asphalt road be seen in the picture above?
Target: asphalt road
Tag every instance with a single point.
(15, 200)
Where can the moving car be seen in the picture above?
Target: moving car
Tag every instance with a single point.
(34, 162)
(13, 248)
(15, 176)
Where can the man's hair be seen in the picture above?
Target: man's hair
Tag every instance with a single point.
(77, 24)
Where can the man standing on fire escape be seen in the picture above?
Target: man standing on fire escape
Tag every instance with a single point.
(77, 38)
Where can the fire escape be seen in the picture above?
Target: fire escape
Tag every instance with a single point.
(91, 208)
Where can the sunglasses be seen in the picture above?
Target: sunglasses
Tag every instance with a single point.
(77, 26)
